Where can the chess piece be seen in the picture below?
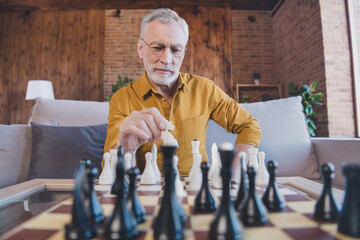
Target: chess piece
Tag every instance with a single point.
(155, 164)
(253, 158)
(204, 201)
(327, 207)
(195, 151)
(113, 160)
(81, 226)
(121, 224)
(168, 223)
(226, 225)
(106, 177)
(243, 188)
(349, 218)
(179, 187)
(127, 158)
(262, 175)
(214, 160)
(148, 177)
(252, 212)
(134, 204)
(196, 179)
(116, 185)
(272, 198)
(167, 137)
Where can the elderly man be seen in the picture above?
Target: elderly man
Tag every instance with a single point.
(139, 111)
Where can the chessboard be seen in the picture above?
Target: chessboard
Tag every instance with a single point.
(295, 222)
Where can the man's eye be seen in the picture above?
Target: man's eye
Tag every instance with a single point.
(158, 48)
(175, 50)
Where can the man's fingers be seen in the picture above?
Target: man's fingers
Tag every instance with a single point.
(159, 119)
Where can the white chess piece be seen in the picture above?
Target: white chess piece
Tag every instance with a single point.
(242, 155)
(216, 180)
(179, 187)
(148, 177)
(127, 164)
(113, 161)
(253, 158)
(106, 177)
(154, 163)
(214, 159)
(195, 151)
(262, 175)
(196, 179)
(167, 137)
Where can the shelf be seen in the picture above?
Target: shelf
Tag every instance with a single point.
(258, 92)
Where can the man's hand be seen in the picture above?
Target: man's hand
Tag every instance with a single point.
(140, 127)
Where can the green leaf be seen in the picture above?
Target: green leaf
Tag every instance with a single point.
(311, 123)
(312, 132)
(308, 110)
(305, 88)
(314, 86)
(318, 96)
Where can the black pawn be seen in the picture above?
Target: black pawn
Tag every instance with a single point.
(272, 198)
(326, 207)
(168, 223)
(252, 212)
(94, 204)
(121, 224)
(204, 201)
(349, 218)
(133, 201)
(118, 181)
(226, 225)
(243, 188)
(81, 226)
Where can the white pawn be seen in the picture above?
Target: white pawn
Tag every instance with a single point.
(216, 180)
(214, 159)
(154, 163)
(195, 151)
(242, 155)
(262, 176)
(196, 179)
(106, 177)
(113, 161)
(253, 158)
(148, 177)
(127, 164)
(179, 187)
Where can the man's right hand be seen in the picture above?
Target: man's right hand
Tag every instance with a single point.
(140, 127)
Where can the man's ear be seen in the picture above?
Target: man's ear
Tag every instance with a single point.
(140, 49)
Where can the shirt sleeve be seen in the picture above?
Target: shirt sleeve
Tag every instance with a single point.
(233, 117)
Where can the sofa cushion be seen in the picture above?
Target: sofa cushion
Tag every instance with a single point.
(15, 150)
(56, 151)
(285, 137)
(70, 112)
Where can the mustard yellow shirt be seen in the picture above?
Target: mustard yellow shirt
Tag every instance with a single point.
(195, 101)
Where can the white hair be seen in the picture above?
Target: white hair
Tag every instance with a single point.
(164, 15)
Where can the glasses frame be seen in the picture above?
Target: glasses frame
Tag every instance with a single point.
(166, 46)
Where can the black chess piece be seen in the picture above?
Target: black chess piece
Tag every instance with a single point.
(327, 207)
(272, 198)
(243, 186)
(116, 185)
(349, 218)
(168, 223)
(94, 203)
(81, 226)
(134, 204)
(204, 201)
(121, 224)
(226, 225)
(252, 212)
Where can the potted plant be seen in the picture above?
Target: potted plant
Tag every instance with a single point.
(309, 98)
(119, 84)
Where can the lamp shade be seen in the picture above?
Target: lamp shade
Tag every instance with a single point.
(39, 88)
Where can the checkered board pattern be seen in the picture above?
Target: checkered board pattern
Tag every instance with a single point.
(295, 222)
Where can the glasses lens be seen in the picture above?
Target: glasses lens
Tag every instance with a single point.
(157, 48)
(177, 50)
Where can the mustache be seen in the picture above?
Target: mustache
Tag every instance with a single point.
(167, 68)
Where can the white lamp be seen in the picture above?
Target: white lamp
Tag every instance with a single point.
(39, 88)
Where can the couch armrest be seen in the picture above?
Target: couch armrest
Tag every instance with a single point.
(337, 151)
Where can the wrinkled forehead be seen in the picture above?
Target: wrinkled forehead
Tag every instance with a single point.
(169, 32)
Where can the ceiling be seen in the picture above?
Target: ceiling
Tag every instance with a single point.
(44, 5)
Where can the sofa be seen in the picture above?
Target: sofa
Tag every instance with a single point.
(61, 132)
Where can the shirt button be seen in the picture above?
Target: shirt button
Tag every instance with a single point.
(163, 99)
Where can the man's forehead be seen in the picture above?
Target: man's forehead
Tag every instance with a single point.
(164, 32)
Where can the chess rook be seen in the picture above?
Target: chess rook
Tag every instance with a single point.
(327, 207)
(272, 198)
(134, 204)
(243, 188)
(204, 201)
(226, 225)
(252, 212)
(349, 218)
(168, 223)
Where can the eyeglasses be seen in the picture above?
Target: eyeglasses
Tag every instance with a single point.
(158, 48)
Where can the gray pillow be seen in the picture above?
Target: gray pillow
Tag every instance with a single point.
(56, 151)
(15, 151)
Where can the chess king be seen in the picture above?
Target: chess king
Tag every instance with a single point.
(139, 112)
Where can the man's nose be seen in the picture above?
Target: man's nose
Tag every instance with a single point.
(166, 56)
